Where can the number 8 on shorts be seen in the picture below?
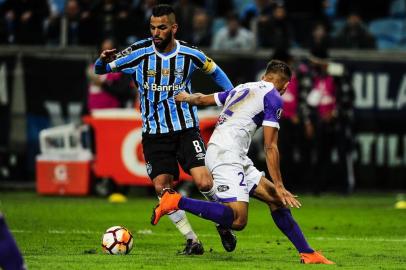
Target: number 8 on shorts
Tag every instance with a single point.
(197, 146)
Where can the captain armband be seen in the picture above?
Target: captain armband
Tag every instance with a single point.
(209, 66)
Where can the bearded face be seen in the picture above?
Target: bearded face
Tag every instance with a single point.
(163, 31)
(162, 42)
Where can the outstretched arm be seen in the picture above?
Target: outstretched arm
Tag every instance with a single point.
(221, 79)
(195, 99)
(209, 67)
(272, 162)
(105, 57)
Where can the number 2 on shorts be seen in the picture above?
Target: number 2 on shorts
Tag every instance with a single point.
(242, 179)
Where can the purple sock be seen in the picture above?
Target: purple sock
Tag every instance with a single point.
(285, 222)
(10, 256)
(213, 211)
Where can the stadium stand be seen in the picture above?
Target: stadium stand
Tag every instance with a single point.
(389, 33)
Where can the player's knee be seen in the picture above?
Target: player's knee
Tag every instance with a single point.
(202, 178)
(159, 188)
(161, 182)
(204, 182)
(204, 185)
(239, 224)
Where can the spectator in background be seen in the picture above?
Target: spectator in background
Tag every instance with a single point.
(25, 20)
(330, 101)
(80, 21)
(113, 19)
(320, 41)
(72, 16)
(233, 36)
(366, 9)
(185, 11)
(141, 16)
(89, 33)
(201, 33)
(330, 9)
(275, 31)
(110, 90)
(354, 35)
(260, 11)
(56, 7)
(218, 8)
(303, 15)
(124, 23)
(322, 101)
(107, 91)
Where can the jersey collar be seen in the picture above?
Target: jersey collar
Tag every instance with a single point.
(167, 55)
(268, 84)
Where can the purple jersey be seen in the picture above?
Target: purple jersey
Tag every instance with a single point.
(246, 107)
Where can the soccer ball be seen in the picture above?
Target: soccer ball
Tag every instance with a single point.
(117, 240)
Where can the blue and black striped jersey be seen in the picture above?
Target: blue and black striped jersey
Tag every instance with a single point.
(159, 77)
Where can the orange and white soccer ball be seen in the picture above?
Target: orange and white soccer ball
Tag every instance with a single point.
(117, 240)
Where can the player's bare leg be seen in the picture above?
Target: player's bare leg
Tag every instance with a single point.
(172, 200)
(179, 218)
(285, 222)
(204, 182)
(231, 215)
(240, 210)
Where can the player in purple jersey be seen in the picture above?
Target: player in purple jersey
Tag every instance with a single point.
(246, 107)
(10, 256)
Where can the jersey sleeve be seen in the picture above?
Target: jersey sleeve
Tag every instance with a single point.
(203, 62)
(221, 79)
(127, 63)
(272, 109)
(208, 66)
(220, 97)
(133, 47)
(100, 67)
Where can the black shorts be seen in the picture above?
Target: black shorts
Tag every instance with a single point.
(163, 152)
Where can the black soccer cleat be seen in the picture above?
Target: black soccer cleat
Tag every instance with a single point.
(228, 238)
(192, 248)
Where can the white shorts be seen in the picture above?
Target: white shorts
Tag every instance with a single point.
(235, 176)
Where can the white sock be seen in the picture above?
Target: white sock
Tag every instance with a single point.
(211, 194)
(181, 222)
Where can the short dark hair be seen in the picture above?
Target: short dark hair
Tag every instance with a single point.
(162, 10)
(279, 67)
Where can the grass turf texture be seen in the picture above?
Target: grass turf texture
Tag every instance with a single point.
(357, 232)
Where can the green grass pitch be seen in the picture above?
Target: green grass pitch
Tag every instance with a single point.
(357, 232)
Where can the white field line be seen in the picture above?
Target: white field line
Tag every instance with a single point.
(149, 232)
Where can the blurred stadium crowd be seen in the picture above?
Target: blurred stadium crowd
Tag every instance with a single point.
(226, 24)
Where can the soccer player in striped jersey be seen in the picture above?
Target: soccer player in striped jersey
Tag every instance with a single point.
(162, 66)
(246, 108)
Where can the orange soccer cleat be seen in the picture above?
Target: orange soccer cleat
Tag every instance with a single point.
(314, 258)
(169, 202)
